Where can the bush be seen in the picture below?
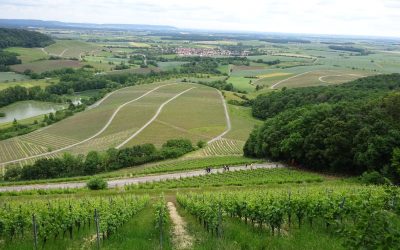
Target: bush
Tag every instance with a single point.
(96, 184)
(184, 144)
(201, 144)
(374, 177)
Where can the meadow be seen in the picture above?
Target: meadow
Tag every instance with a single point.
(11, 77)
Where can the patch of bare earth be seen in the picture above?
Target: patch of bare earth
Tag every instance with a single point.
(181, 238)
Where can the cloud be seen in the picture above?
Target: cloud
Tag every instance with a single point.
(358, 17)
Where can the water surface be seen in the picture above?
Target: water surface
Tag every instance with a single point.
(27, 109)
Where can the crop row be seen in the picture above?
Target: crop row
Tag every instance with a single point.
(59, 217)
(223, 147)
(237, 178)
(356, 213)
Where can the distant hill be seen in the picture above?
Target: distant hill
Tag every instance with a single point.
(27, 23)
(23, 38)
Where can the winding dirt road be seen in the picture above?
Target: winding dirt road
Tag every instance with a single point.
(228, 120)
(137, 180)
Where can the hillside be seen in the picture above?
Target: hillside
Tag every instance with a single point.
(23, 38)
(348, 129)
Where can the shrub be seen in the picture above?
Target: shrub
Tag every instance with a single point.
(374, 177)
(96, 184)
(201, 144)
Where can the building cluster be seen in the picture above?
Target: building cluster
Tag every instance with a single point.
(206, 52)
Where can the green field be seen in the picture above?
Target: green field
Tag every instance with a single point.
(71, 48)
(28, 55)
(182, 117)
(27, 83)
(241, 83)
(47, 65)
(11, 77)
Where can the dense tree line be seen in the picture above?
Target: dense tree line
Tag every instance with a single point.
(96, 162)
(204, 66)
(23, 38)
(268, 105)
(285, 40)
(346, 134)
(350, 49)
(6, 59)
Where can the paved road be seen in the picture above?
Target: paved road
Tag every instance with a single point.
(137, 180)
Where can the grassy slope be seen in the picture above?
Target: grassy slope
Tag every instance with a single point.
(197, 115)
(27, 84)
(28, 54)
(11, 76)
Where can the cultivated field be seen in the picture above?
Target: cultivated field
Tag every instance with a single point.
(11, 77)
(47, 65)
(190, 111)
(71, 48)
(28, 55)
(27, 83)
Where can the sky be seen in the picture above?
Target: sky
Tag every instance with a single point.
(341, 17)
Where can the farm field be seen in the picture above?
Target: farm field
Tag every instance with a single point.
(241, 83)
(130, 118)
(221, 210)
(11, 77)
(71, 48)
(27, 83)
(236, 178)
(184, 118)
(320, 77)
(28, 55)
(42, 66)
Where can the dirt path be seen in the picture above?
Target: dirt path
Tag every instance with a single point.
(180, 237)
(228, 120)
(284, 80)
(93, 136)
(153, 118)
(321, 78)
(137, 180)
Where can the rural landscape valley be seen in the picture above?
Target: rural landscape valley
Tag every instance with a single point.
(214, 134)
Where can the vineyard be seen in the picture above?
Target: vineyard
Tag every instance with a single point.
(236, 178)
(223, 147)
(353, 213)
(188, 164)
(40, 223)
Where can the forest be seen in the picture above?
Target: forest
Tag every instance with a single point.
(23, 38)
(350, 129)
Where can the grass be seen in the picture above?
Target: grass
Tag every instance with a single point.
(46, 65)
(169, 65)
(72, 48)
(238, 235)
(11, 77)
(196, 115)
(139, 233)
(242, 122)
(241, 83)
(28, 55)
(27, 84)
(322, 77)
(237, 178)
